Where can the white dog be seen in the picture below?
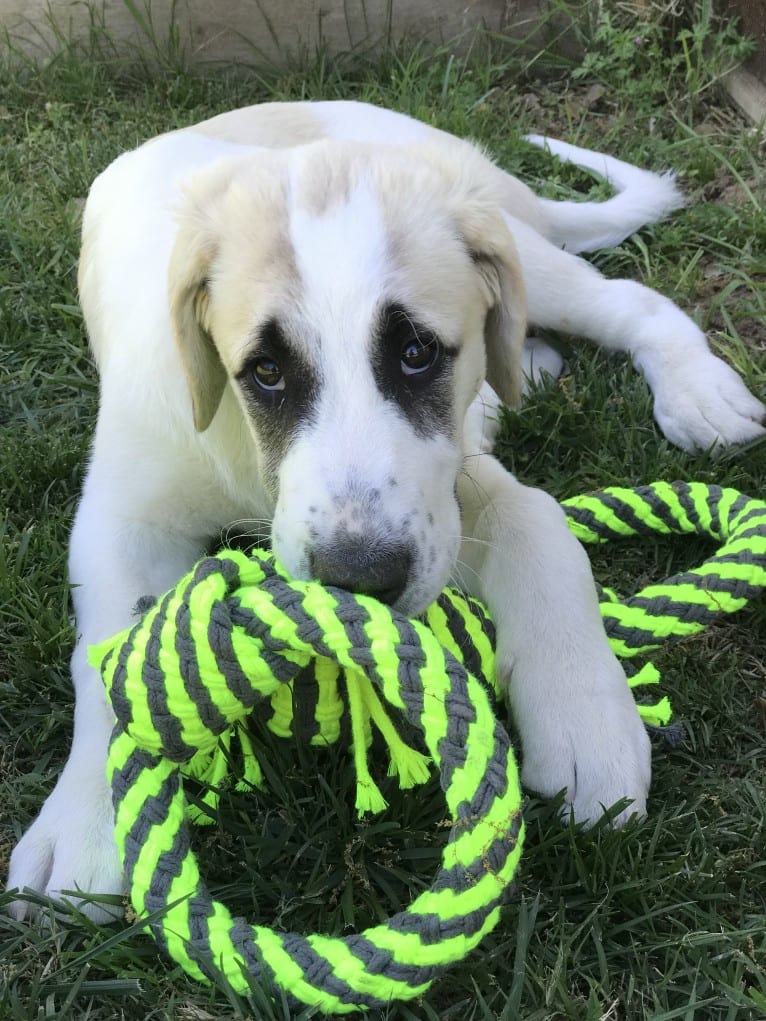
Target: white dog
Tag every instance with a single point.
(293, 308)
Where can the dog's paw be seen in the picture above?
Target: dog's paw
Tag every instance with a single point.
(704, 404)
(482, 422)
(70, 847)
(590, 743)
(539, 361)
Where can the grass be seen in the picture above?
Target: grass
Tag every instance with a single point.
(664, 920)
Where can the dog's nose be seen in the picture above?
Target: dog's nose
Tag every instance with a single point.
(354, 563)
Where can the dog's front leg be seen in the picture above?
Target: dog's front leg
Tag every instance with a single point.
(579, 727)
(113, 562)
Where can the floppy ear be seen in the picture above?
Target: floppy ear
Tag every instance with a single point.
(188, 292)
(496, 259)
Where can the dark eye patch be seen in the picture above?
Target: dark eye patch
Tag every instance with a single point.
(413, 368)
(280, 386)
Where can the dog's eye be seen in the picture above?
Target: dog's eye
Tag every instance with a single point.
(418, 357)
(267, 374)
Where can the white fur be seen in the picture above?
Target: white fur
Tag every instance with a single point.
(642, 197)
(276, 222)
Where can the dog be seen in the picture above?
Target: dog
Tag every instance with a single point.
(300, 313)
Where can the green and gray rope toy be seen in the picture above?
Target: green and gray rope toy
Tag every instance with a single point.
(236, 636)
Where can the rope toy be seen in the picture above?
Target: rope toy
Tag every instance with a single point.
(236, 632)
(234, 610)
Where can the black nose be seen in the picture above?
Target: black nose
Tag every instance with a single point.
(355, 563)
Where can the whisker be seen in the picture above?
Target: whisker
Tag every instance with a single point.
(457, 579)
(488, 504)
(472, 455)
(249, 521)
(465, 570)
(479, 489)
(495, 547)
(251, 531)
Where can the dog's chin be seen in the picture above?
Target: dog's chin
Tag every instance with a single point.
(419, 595)
(412, 607)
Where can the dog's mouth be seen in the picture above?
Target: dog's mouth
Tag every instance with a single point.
(355, 562)
(398, 572)
(365, 565)
(359, 540)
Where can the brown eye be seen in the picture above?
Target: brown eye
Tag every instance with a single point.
(267, 374)
(418, 357)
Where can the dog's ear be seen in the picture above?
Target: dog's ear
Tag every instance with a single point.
(189, 296)
(493, 250)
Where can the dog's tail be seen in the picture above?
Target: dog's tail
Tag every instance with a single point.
(642, 197)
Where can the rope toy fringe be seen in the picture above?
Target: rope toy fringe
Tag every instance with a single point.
(237, 636)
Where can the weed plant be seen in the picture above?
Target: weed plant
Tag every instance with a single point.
(663, 920)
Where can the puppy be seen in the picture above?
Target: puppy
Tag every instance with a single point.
(293, 308)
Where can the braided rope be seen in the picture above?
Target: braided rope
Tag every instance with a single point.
(230, 634)
(688, 602)
(235, 632)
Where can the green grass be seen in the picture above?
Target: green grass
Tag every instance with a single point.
(664, 920)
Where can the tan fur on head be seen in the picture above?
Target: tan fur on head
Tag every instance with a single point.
(189, 305)
(232, 226)
(234, 239)
(477, 200)
(453, 183)
(494, 254)
(189, 299)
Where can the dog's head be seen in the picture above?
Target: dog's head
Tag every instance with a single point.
(354, 298)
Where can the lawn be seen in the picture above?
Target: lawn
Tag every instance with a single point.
(665, 919)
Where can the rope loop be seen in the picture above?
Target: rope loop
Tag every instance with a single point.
(224, 647)
(688, 602)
